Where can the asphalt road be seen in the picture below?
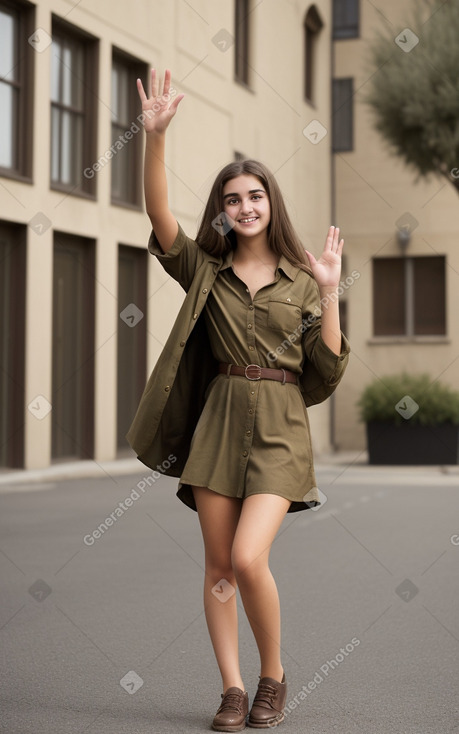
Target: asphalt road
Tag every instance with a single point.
(104, 632)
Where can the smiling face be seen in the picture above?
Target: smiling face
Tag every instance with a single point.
(246, 201)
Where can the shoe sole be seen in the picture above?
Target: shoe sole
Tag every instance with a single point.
(229, 728)
(268, 725)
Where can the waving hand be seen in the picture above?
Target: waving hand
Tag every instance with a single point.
(327, 269)
(158, 109)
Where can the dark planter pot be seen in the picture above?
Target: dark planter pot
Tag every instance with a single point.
(412, 444)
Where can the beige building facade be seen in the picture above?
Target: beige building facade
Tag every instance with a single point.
(85, 310)
(402, 234)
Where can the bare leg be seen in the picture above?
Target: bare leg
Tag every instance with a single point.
(218, 516)
(260, 519)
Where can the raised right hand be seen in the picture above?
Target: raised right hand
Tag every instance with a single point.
(158, 109)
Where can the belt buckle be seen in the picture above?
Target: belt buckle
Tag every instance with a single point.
(257, 367)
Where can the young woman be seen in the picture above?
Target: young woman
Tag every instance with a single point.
(225, 407)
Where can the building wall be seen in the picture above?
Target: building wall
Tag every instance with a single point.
(373, 189)
(217, 117)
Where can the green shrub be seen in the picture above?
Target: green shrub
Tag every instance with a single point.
(437, 403)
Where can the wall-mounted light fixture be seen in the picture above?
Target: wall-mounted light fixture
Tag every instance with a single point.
(403, 238)
(406, 224)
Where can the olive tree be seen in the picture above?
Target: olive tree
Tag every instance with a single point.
(414, 90)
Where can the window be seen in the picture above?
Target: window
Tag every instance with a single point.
(12, 343)
(242, 35)
(73, 110)
(126, 130)
(312, 27)
(16, 76)
(409, 296)
(342, 115)
(132, 335)
(345, 18)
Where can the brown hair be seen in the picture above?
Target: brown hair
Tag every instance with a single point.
(282, 238)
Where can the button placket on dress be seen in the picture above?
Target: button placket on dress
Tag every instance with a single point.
(252, 387)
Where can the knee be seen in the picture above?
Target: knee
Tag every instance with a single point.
(246, 565)
(218, 569)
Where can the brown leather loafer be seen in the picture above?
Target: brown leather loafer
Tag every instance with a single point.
(269, 703)
(232, 714)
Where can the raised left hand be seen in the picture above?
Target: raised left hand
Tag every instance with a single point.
(327, 269)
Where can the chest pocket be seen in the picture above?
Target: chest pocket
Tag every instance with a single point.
(284, 316)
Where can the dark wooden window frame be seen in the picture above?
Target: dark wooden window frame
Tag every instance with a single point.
(312, 26)
(90, 47)
(137, 69)
(408, 301)
(25, 17)
(343, 116)
(242, 30)
(351, 29)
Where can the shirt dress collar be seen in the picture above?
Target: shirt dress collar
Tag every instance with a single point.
(291, 271)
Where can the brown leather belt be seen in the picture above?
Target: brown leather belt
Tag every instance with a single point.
(255, 372)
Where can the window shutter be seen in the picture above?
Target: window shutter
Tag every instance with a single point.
(389, 296)
(429, 295)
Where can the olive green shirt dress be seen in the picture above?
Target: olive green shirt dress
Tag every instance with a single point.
(253, 436)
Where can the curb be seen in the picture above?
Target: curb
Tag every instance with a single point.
(355, 461)
(72, 470)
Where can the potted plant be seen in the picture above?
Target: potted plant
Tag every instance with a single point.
(410, 420)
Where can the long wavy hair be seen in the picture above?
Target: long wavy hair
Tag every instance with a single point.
(282, 238)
